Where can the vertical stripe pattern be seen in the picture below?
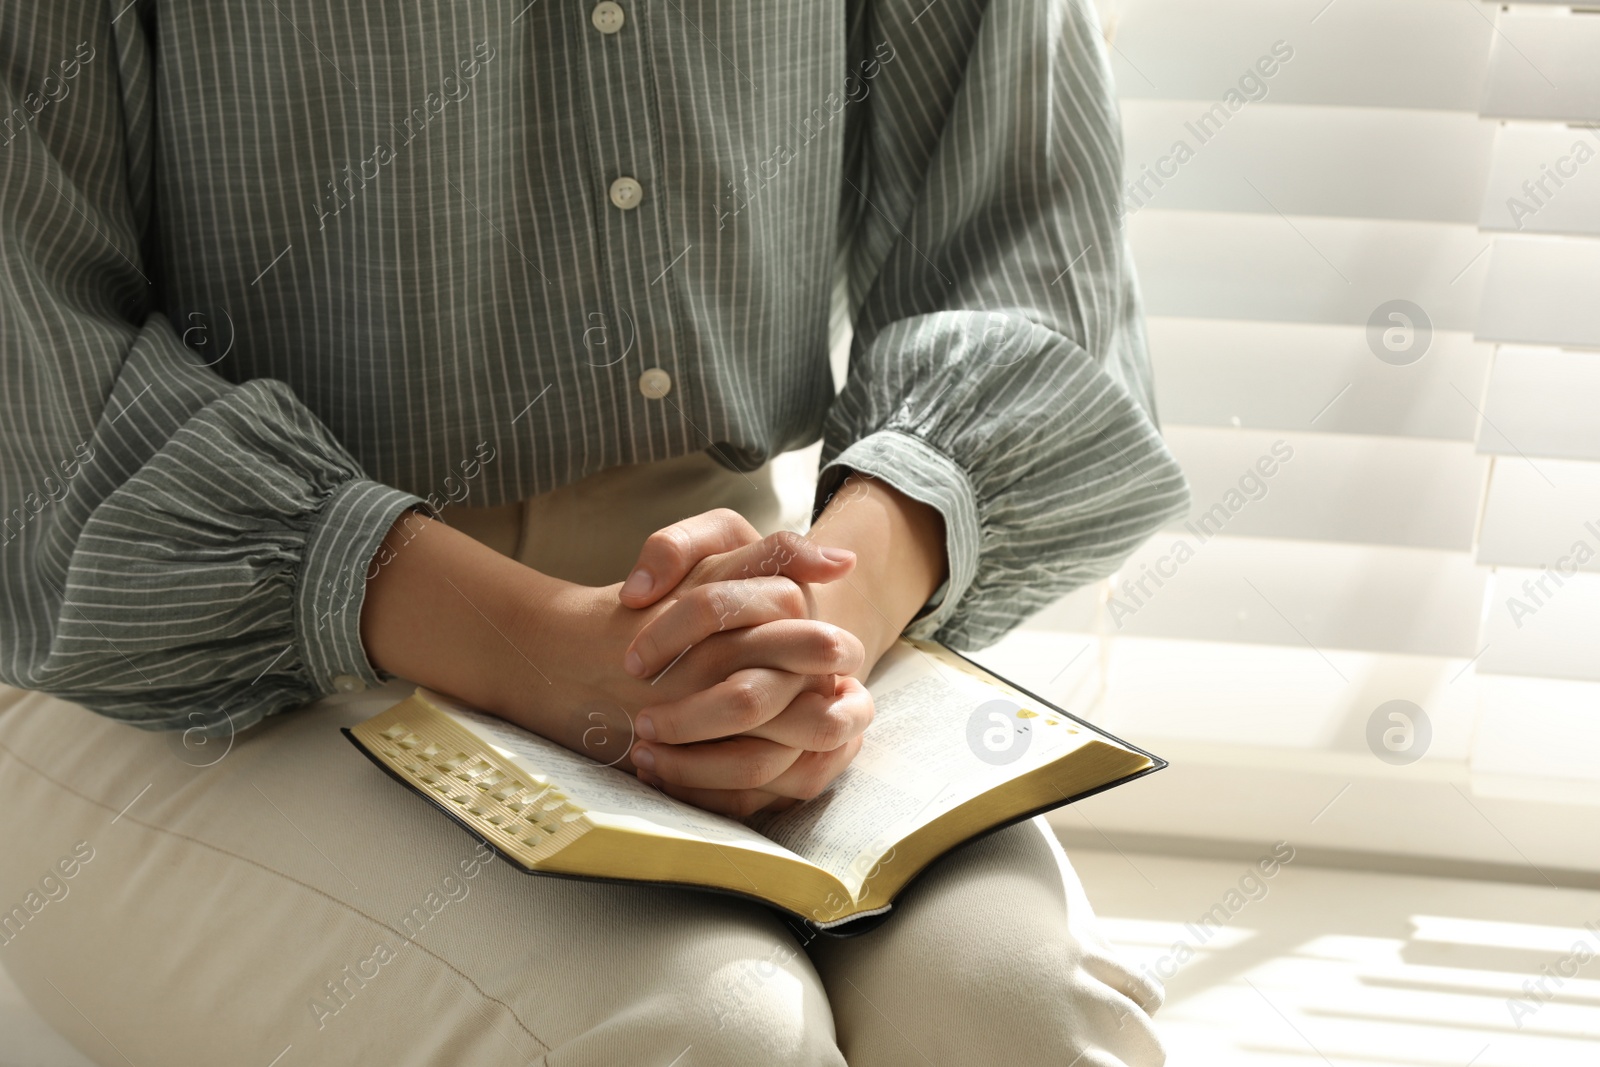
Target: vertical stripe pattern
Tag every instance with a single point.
(274, 272)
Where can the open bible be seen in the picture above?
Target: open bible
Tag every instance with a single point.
(953, 752)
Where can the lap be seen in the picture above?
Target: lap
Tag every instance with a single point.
(281, 893)
(995, 947)
(289, 896)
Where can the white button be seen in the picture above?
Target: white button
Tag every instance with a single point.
(655, 383)
(606, 16)
(626, 193)
(348, 683)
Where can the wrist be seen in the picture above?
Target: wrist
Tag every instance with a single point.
(901, 561)
(851, 609)
(449, 613)
(518, 661)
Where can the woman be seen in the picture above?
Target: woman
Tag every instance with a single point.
(352, 343)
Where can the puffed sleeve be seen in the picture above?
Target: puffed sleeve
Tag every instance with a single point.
(998, 370)
(175, 550)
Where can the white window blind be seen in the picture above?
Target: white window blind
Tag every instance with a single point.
(1294, 169)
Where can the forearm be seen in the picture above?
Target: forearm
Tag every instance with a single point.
(451, 614)
(900, 547)
(548, 655)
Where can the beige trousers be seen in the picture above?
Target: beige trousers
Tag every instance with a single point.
(276, 900)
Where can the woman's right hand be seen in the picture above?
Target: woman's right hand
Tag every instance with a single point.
(572, 687)
(452, 614)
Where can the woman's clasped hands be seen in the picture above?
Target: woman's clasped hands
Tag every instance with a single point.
(713, 672)
(784, 713)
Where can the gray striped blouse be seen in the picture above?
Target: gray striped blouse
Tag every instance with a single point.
(275, 271)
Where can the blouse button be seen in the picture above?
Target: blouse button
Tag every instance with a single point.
(607, 17)
(655, 383)
(348, 683)
(626, 193)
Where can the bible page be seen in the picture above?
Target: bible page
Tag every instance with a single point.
(610, 797)
(941, 735)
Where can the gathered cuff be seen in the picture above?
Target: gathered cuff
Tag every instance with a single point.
(339, 558)
(925, 474)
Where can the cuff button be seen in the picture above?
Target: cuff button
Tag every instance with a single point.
(348, 683)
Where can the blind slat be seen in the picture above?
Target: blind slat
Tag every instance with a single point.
(1298, 376)
(1556, 639)
(1544, 178)
(1543, 66)
(1302, 594)
(1344, 161)
(1542, 402)
(1542, 291)
(1542, 513)
(1426, 54)
(1332, 487)
(1202, 264)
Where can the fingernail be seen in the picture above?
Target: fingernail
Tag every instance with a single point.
(644, 727)
(644, 759)
(633, 664)
(839, 555)
(639, 583)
